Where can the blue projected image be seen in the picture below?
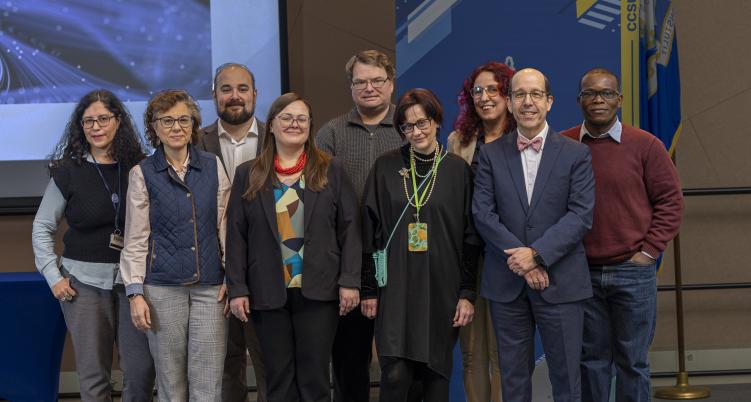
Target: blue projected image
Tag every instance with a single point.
(54, 51)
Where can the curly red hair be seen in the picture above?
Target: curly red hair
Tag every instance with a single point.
(468, 122)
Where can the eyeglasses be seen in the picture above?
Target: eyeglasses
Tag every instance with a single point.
(536, 95)
(375, 82)
(103, 121)
(491, 90)
(590, 95)
(169, 121)
(422, 124)
(287, 119)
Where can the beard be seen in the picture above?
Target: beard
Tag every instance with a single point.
(235, 119)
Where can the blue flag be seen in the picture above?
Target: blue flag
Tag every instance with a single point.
(660, 100)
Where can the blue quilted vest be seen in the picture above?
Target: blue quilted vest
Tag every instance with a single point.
(183, 245)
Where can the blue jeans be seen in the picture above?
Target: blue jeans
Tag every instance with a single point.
(619, 325)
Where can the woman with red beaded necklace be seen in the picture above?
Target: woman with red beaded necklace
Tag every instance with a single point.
(293, 252)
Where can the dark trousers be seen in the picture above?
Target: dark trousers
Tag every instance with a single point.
(98, 319)
(351, 358)
(404, 380)
(561, 328)
(296, 345)
(241, 336)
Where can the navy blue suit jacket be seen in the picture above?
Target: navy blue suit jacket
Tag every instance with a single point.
(554, 223)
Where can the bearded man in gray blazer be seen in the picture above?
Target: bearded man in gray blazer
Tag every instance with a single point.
(236, 137)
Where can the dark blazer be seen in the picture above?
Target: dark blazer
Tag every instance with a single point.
(333, 244)
(554, 223)
(208, 140)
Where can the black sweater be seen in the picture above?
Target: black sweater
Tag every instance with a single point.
(89, 210)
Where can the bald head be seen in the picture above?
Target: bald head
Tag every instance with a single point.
(531, 72)
(530, 101)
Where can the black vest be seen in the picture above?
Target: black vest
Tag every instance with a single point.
(89, 211)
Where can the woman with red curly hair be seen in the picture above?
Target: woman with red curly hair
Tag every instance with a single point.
(483, 118)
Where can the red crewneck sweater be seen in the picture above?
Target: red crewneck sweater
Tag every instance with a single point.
(638, 198)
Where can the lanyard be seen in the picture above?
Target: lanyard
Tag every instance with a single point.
(420, 198)
(114, 197)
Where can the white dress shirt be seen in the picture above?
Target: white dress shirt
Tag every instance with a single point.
(531, 162)
(234, 152)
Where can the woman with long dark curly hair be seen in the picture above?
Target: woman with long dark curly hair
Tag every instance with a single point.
(89, 170)
(483, 118)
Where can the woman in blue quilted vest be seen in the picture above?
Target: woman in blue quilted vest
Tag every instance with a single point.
(172, 264)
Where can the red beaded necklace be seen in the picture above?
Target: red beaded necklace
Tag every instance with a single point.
(291, 170)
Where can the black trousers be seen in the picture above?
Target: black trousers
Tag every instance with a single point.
(351, 358)
(241, 336)
(404, 380)
(296, 344)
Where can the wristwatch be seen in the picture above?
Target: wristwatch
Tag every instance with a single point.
(538, 259)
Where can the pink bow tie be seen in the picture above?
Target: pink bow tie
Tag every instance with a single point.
(522, 143)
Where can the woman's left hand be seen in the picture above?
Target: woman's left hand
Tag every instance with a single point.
(464, 313)
(222, 297)
(349, 298)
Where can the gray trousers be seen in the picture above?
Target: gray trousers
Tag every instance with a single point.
(242, 336)
(97, 319)
(188, 339)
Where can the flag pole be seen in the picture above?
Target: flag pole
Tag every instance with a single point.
(682, 390)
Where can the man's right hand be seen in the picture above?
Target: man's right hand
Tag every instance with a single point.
(537, 278)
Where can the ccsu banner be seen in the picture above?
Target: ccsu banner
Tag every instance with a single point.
(439, 42)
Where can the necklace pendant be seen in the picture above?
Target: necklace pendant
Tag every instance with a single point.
(403, 172)
(115, 198)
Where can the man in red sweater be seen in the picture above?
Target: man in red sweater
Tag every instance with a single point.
(638, 209)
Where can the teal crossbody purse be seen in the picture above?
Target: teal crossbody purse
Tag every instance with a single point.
(380, 257)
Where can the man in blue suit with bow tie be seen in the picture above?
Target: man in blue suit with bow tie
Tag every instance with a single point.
(533, 204)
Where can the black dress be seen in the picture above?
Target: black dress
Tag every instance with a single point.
(417, 305)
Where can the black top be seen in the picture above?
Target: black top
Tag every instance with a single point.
(89, 210)
(417, 305)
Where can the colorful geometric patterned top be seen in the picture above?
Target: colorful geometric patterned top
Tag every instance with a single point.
(289, 221)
